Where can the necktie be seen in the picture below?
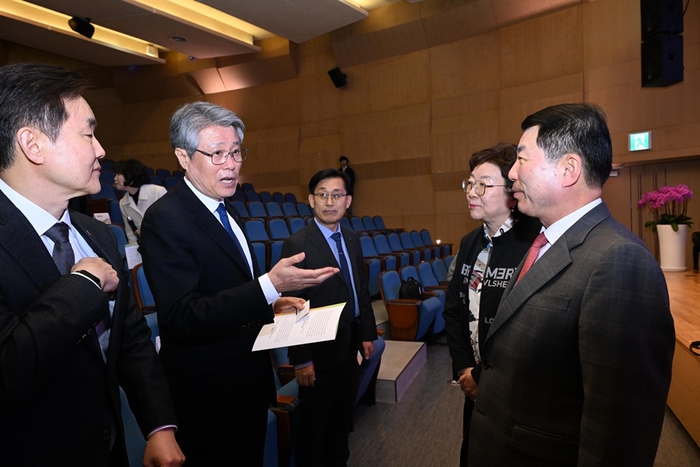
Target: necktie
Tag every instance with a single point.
(532, 254)
(62, 250)
(345, 269)
(223, 215)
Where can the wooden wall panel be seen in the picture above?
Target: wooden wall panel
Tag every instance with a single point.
(520, 101)
(266, 106)
(449, 21)
(379, 45)
(452, 151)
(469, 66)
(393, 135)
(315, 56)
(319, 99)
(542, 48)
(612, 33)
(405, 196)
(620, 206)
(272, 149)
(386, 84)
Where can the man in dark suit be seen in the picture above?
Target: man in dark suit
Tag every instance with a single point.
(70, 332)
(577, 363)
(211, 299)
(325, 370)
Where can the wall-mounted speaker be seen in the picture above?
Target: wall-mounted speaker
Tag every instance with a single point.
(662, 60)
(339, 78)
(662, 46)
(661, 16)
(82, 26)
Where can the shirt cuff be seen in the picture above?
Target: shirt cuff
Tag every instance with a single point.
(303, 365)
(271, 294)
(86, 277)
(160, 428)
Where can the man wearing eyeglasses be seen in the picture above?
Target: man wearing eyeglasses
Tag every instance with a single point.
(211, 298)
(324, 371)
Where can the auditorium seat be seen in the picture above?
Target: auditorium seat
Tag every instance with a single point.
(409, 320)
(278, 197)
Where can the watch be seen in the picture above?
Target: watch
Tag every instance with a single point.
(90, 276)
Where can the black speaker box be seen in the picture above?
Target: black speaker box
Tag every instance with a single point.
(661, 16)
(339, 78)
(662, 60)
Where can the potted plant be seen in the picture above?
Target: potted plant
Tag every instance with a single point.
(669, 206)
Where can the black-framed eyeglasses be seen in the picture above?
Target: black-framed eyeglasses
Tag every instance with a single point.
(220, 157)
(479, 186)
(333, 196)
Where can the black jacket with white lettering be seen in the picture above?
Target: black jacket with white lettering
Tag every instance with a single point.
(507, 253)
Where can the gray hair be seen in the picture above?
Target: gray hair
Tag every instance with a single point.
(191, 118)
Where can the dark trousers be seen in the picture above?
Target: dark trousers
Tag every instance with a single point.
(466, 423)
(223, 432)
(325, 419)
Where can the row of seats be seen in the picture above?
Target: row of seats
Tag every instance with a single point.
(416, 319)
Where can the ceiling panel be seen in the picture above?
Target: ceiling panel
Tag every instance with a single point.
(75, 47)
(296, 20)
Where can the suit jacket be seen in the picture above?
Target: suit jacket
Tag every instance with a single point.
(577, 363)
(330, 354)
(59, 400)
(210, 308)
(148, 194)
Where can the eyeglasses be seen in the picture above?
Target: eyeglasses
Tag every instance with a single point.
(333, 196)
(479, 187)
(220, 157)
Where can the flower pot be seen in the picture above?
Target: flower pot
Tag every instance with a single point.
(672, 247)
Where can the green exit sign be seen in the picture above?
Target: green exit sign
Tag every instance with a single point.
(640, 141)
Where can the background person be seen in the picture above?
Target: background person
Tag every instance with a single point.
(132, 177)
(577, 363)
(211, 298)
(325, 371)
(485, 262)
(70, 332)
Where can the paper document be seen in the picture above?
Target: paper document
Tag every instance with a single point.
(133, 257)
(320, 324)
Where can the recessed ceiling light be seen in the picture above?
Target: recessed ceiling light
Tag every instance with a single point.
(178, 39)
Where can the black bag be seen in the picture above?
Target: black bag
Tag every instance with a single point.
(411, 289)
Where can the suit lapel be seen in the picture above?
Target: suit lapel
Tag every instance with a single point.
(319, 241)
(552, 262)
(211, 227)
(28, 249)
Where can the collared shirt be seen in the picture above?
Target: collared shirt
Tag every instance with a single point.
(41, 221)
(211, 204)
(334, 248)
(556, 230)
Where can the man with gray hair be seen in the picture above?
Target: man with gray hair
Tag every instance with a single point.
(211, 298)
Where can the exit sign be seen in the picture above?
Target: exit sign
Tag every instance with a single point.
(640, 141)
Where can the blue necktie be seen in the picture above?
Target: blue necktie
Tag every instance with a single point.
(62, 253)
(223, 215)
(345, 269)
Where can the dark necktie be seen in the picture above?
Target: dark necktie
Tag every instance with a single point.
(345, 269)
(532, 254)
(223, 215)
(62, 250)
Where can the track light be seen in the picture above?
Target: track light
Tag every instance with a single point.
(82, 26)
